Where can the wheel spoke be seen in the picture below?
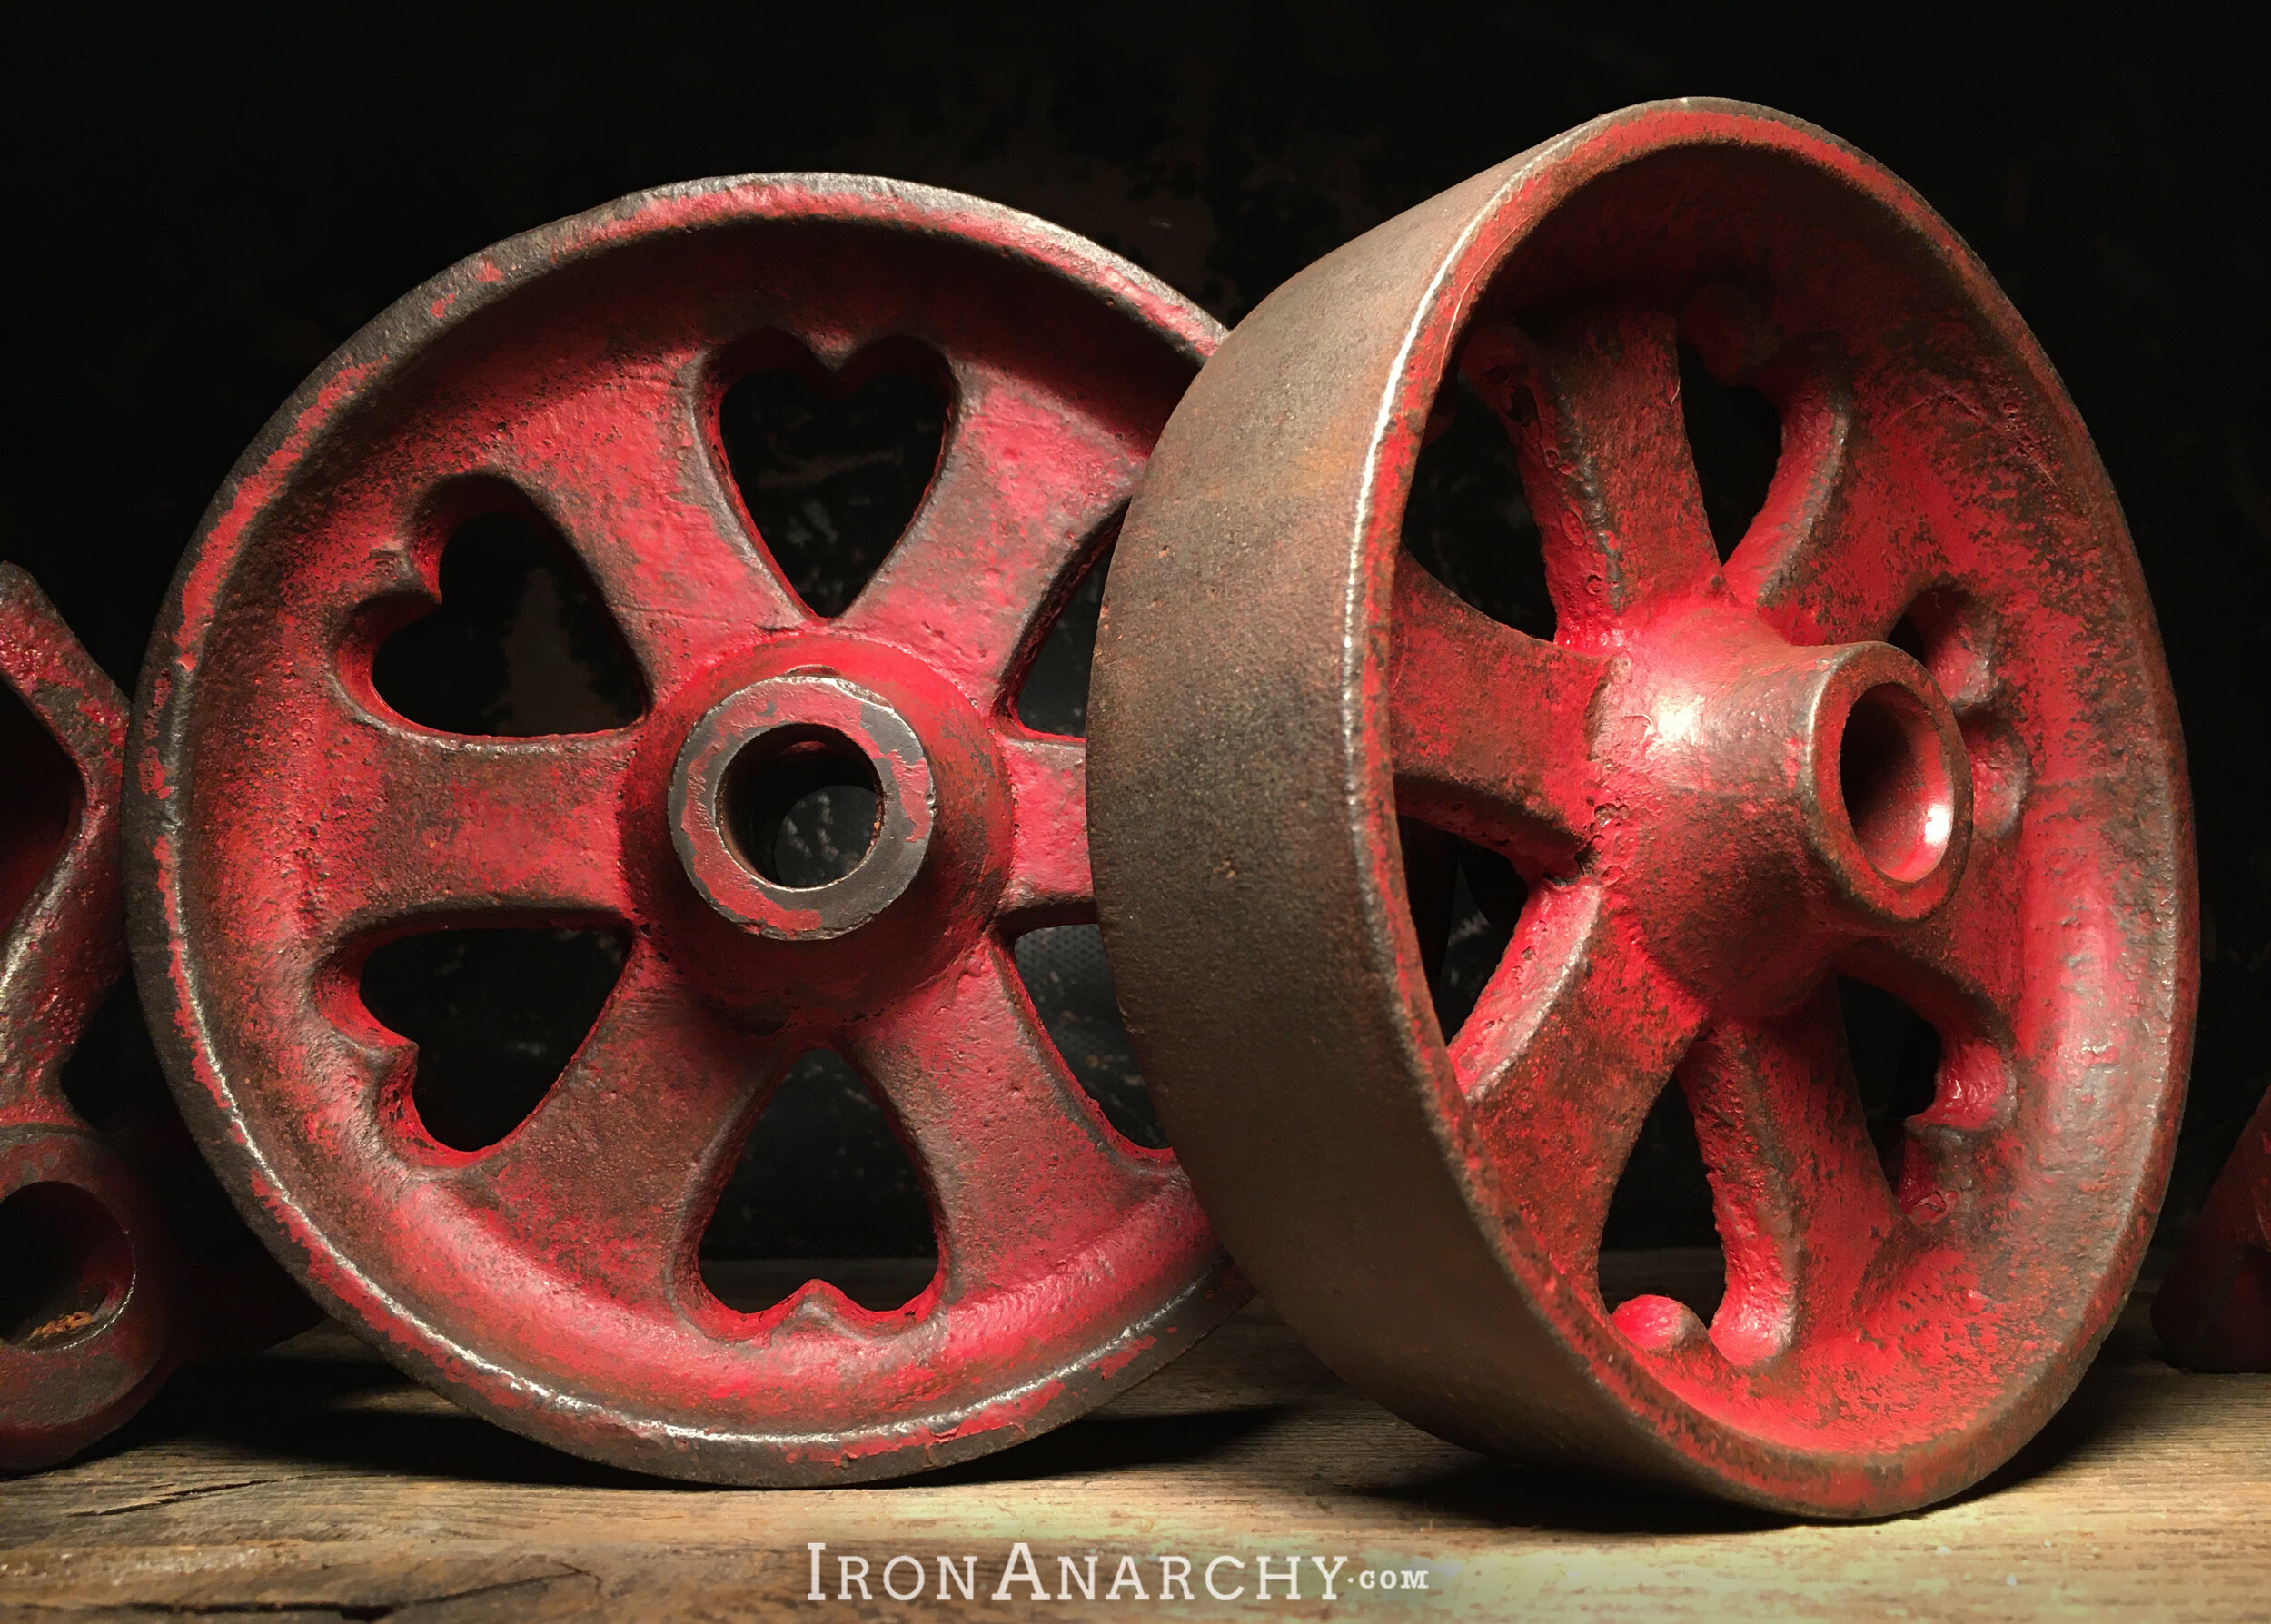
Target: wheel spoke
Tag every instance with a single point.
(400, 823)
(1048, 862)
(622, 466)
(1572, 1040)
(1593, 403)
(1025, 480)
(1802, 1205)
(1826, 560)
(1963, 967)
(1023, 1172)
(611, 1179)
(1492, 727)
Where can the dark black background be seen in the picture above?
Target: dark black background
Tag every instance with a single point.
(199, 207)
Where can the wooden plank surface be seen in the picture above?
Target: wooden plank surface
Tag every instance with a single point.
(314, 1482)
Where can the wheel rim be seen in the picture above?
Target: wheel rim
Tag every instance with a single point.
(548, 1282)
(1722, 791)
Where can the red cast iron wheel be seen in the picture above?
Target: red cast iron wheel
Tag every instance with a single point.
(107, 1279)
(87, 1309)
(286, 821)
(1721, 788)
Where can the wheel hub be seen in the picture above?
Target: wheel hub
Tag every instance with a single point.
(763, 751)
(1767, 805)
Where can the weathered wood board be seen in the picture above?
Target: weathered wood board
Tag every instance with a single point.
(314, 1482)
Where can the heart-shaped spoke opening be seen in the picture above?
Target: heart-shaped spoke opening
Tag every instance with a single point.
(1053, 694)
(521, 644)
(496, 1014)
(1066, 975)
(825, 1190)
(831, 466)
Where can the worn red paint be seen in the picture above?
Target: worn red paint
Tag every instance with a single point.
(2005, 844)
(286, 821)
(100, 1301)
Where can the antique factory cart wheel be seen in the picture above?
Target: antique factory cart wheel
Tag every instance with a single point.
(287, 822)
(1724, 786)
(110, 1273)
(87, 1305)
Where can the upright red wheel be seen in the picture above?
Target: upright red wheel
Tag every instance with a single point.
(286, 821)
(1722, 786)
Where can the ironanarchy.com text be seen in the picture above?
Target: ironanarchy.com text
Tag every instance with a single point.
(1019, 1577)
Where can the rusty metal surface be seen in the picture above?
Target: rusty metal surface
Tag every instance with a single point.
(285, 822)
(1721, 786)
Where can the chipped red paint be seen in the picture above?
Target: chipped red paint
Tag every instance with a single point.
(286, 821)
(100, 1299)
(2213, 1311)
(2006, 847)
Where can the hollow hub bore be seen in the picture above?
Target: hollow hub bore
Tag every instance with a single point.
(810, 740)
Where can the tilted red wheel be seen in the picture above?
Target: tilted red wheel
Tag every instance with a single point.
(107, 1277)
(286, 821)
(1721, 788)
(87, 1305)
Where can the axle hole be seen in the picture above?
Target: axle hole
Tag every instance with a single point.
(1467, 520)
(824, 1190)
(1893, 783)
(802, 806)
(831, 475)
(65, 1266)
(522, 645)
(1735, 436)
(496, 1014)
(1066, 975)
